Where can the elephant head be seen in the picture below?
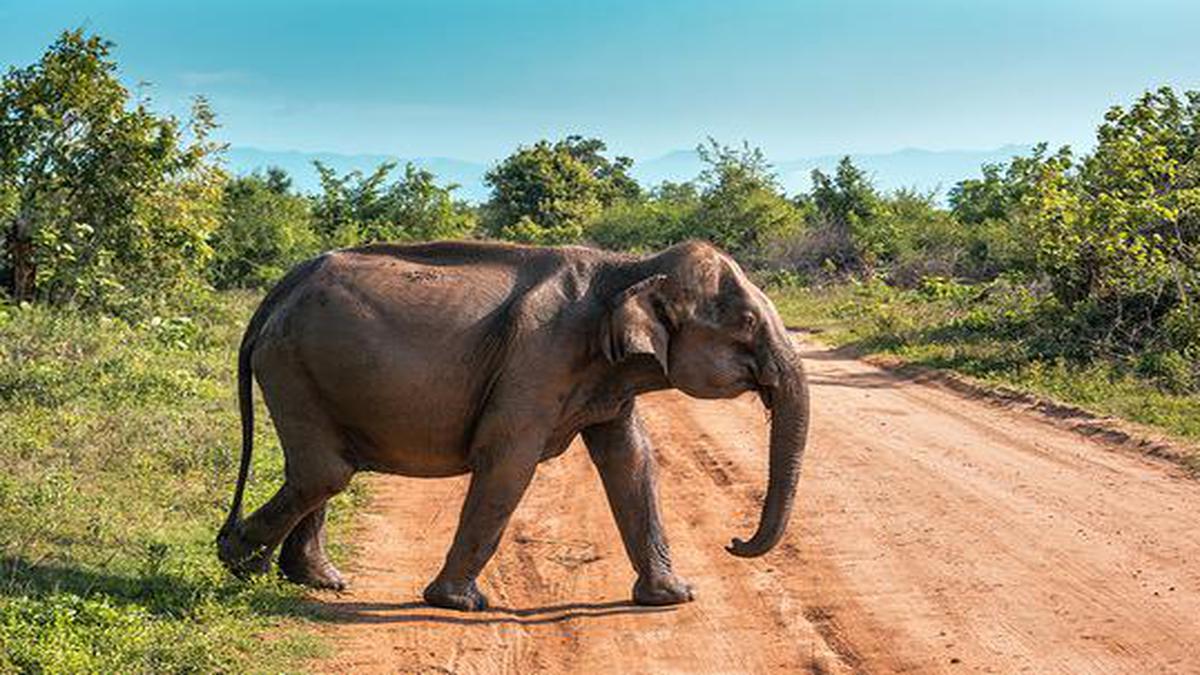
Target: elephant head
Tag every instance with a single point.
(716, 335)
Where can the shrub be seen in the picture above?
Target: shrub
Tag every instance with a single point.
(263, 231)
(357, 209)
(741, 207)
(665, 218)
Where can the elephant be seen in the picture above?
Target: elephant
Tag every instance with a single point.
(447, 358)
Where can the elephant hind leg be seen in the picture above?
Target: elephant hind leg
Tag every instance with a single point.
(315, 469)
(248, 549)
(303, 559)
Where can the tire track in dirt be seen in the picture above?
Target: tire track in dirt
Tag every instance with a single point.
(933, 533)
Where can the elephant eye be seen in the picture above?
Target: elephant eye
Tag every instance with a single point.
(748, 321)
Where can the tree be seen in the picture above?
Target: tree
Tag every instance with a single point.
(104, 202)
(278, 181)
(425, 210)
(1115, 234)
(1001, 209)
(264, 230)
(849, 208)
(549, 192)
(347, 202)
(741, 206)
(357, 208)
(1119, 231)
(977, 200)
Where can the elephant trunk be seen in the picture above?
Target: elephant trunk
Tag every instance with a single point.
(787, 399)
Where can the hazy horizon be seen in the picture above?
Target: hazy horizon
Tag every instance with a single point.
(924, 170)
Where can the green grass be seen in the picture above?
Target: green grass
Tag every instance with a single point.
(988, 334)
(118, 453)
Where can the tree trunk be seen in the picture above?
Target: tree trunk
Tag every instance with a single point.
(24, 269)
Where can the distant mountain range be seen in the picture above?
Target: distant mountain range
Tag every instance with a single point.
(926, 170)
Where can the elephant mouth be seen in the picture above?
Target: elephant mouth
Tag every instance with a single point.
(754, 381)
(767, 396)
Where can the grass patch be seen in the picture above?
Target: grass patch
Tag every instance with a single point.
(118, 453)
(996, 333)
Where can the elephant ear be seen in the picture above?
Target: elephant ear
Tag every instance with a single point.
(633, 326)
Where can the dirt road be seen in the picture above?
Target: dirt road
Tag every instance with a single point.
(934, 533)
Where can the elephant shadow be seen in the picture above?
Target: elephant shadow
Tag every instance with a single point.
(419, 612)
(163, 593)
(158, 592)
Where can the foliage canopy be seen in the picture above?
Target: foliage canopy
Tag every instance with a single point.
(103, 202)
(547, 193)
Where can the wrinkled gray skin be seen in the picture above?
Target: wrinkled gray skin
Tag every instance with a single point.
(450, 358)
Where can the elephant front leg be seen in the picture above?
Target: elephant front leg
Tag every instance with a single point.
(498, 480)
(622, 453)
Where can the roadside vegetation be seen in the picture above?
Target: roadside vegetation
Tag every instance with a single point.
(1072, 277)
(987, 332)
(115, 460)
(132, 259)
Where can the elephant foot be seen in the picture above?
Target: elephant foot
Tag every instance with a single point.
(243, 559)
(319, 574)
(667, 590)
(463, 597)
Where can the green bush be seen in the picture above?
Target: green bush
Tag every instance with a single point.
(1005, 332)
(663, 219)
(264, 230)
(741, 208)
(358, 209)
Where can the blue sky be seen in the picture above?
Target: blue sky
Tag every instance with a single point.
(472, 79)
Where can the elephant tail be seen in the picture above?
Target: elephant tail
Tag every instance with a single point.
(245, 381)
(245, 386)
